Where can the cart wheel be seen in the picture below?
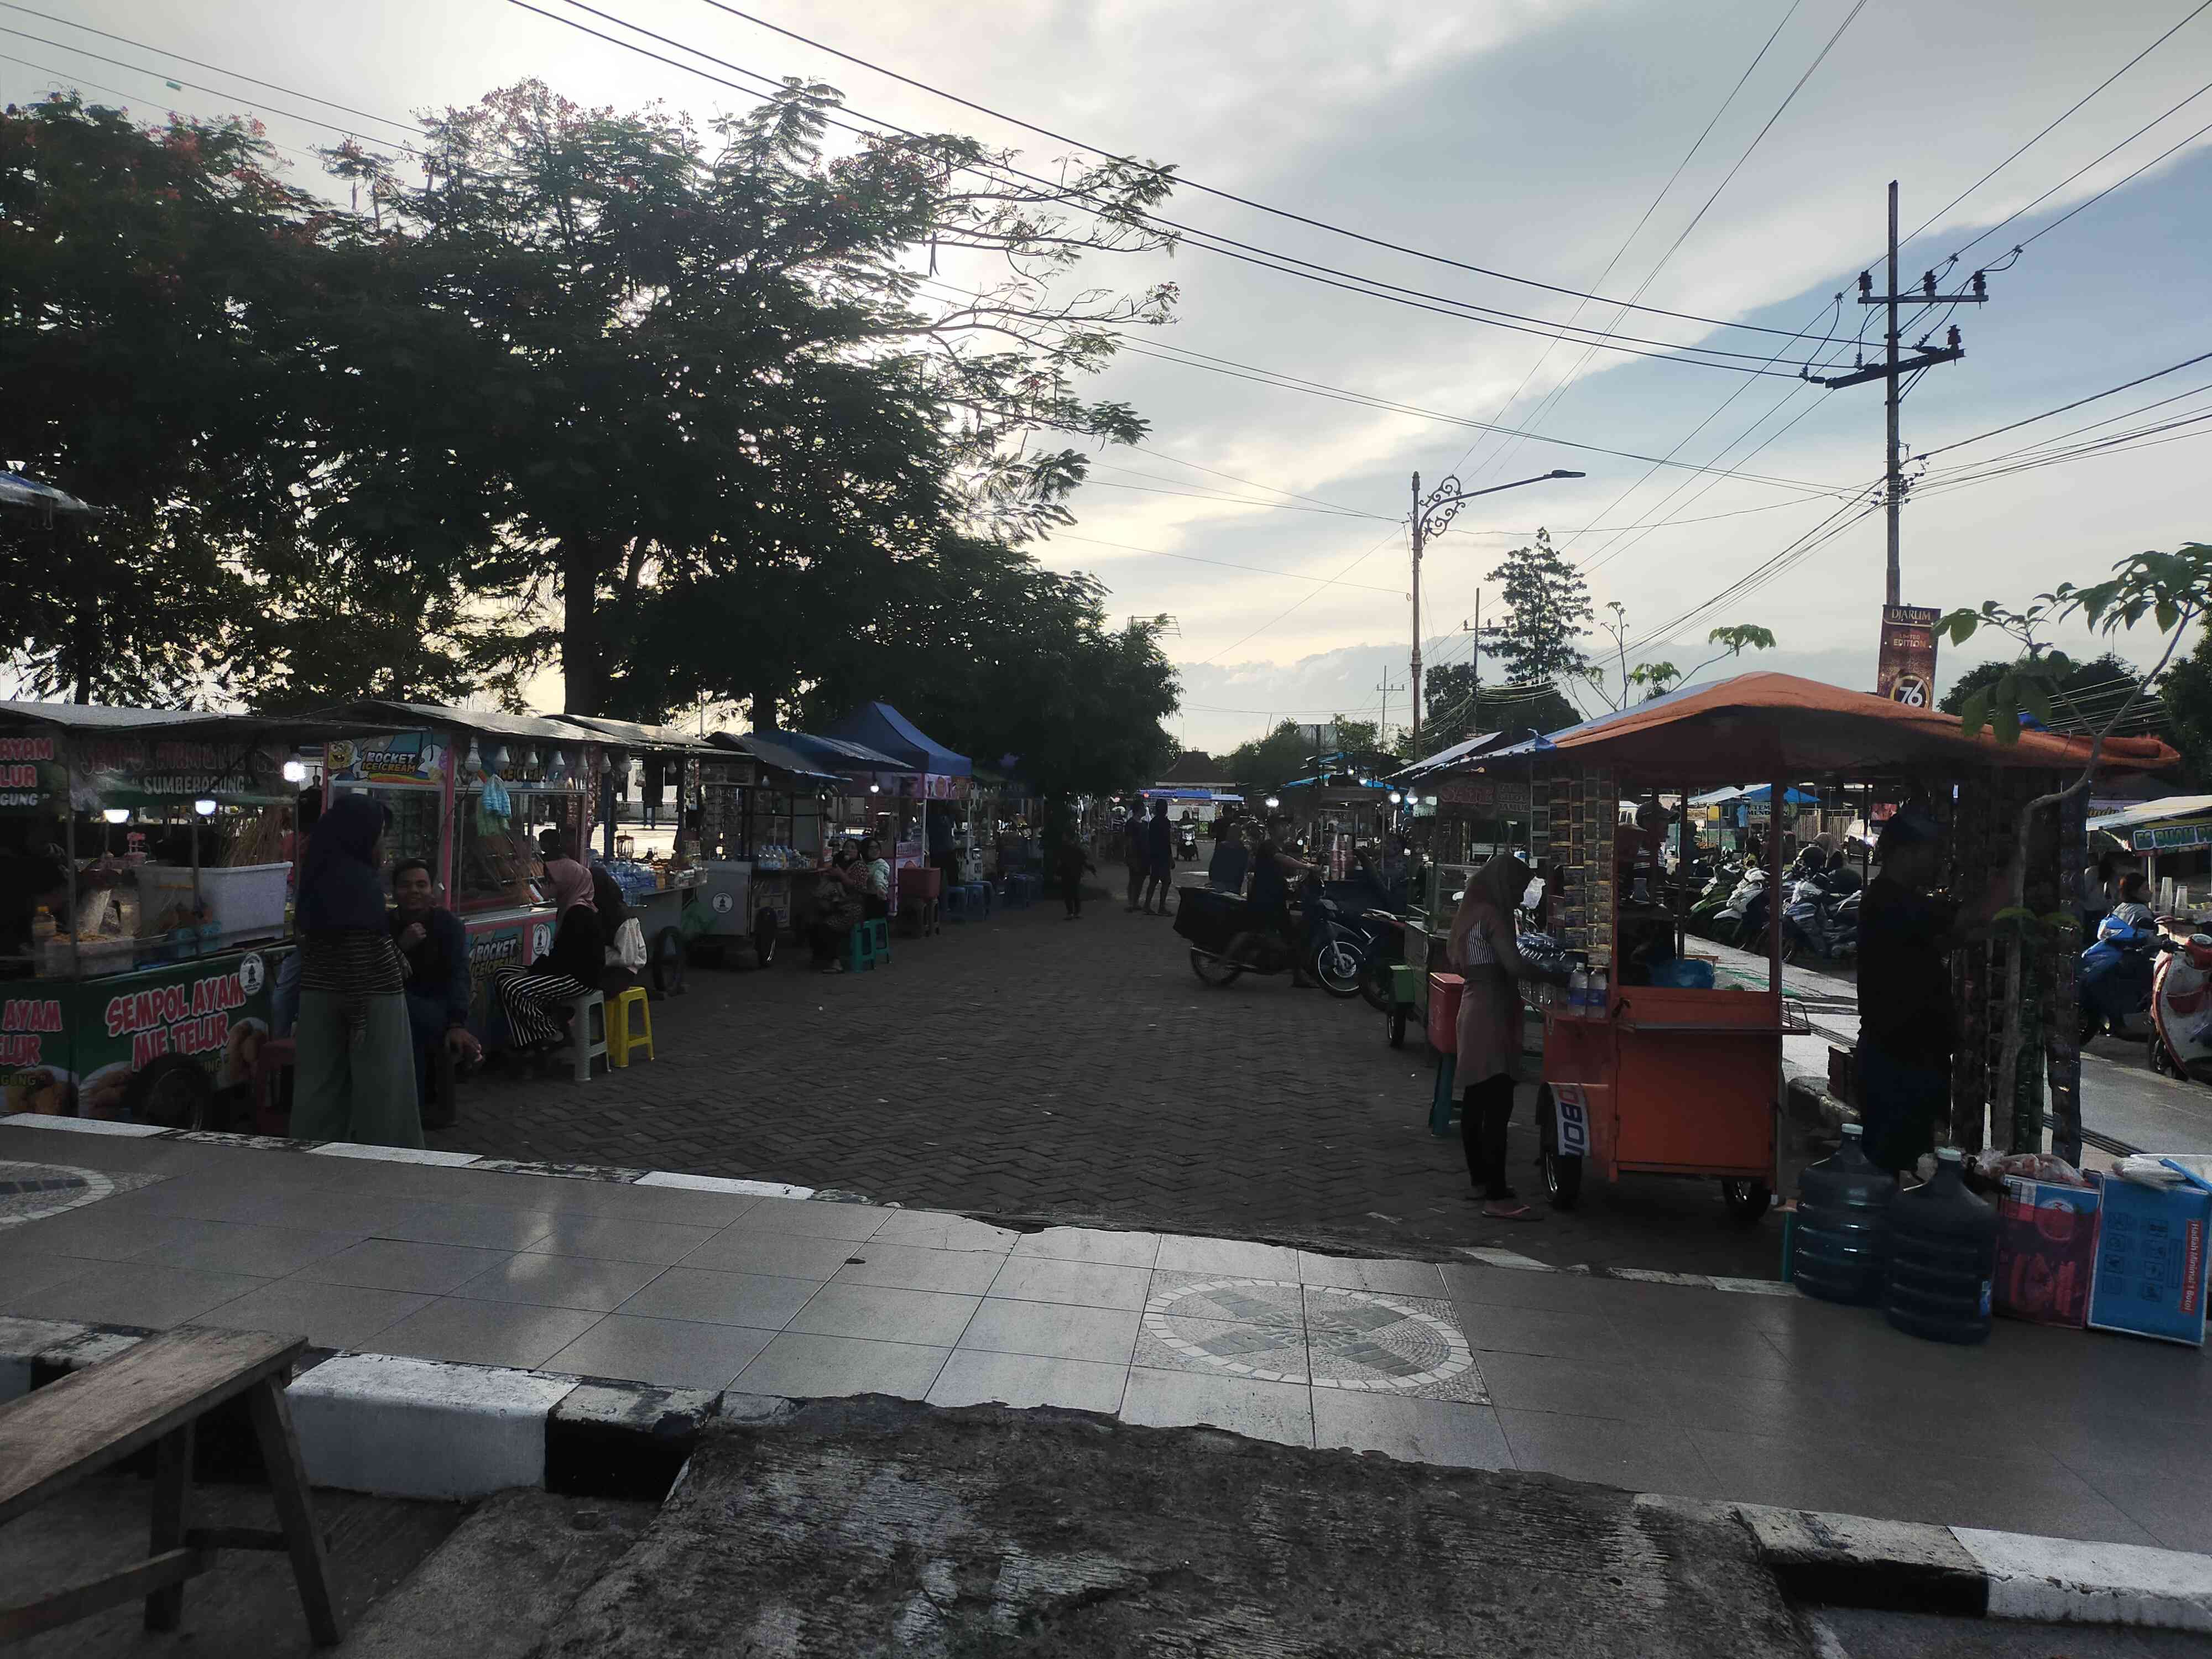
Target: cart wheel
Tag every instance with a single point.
(1747, 1200)
(1397, 1028)
(1216, 970)
(765, 935)
(1563, 1177)
(173, 1090)
(668, 962)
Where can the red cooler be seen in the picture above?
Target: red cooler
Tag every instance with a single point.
(1444, 993)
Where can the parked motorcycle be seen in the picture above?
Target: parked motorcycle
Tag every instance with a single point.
(1705, 909)
(2116, 977)
(1186, 842)
(1821, 920)
(2181, 1004)
(1734, 924)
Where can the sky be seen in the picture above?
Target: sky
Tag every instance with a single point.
(1535, 140)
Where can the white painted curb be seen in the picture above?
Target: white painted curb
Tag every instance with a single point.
(2063, 1580)
(420, 1428)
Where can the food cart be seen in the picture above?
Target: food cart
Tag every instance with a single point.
(760, 825)
(1675, 1072)
(150, 852)
(473, 792)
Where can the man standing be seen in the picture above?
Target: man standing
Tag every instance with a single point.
(1273, 871)
(436, 952)
(1906, 1025)
(1134, 851)
(1159, 860)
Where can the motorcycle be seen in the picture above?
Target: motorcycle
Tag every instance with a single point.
(1226, 943)
(1821, 918)
(1705, 909)
(1732, 923)
(1385, 933)
(2115, 980)
(2181, 1004)
(1186, 842)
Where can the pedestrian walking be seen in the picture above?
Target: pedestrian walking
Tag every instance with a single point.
(355, 1080)
(1482, 946)
(1134, 853)
(1072, 865)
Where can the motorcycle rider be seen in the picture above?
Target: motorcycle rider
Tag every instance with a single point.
(1273, 871)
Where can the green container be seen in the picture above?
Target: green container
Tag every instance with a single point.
(1405, 981)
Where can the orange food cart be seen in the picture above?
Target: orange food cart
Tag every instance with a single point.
(1663, 1078)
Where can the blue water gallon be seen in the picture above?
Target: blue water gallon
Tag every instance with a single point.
(1840, 1246)
(1943, 1257)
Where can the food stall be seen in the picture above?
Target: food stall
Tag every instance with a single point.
(474, 792)
(662, 893)
(926, 777)
(760, 812)
(148, 856)
(1667, 1070)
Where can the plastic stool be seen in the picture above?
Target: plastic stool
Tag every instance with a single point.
(581, 1048)
(876, 930)
(620, 1039)
(955, 903)
(980, 892)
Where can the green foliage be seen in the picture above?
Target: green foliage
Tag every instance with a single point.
(1267, 763)
(2186, 691)
(2099, 674)
(1547, 613)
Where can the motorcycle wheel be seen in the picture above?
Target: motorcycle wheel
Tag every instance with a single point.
(2092, 1026)
(1746, 1200)
(1375, 983)
(1337, 965)
(1217, 969)
(2160, 1062)
(1563, 1176)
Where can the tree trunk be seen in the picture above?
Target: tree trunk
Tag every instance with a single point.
(764, 701)
(583, 635)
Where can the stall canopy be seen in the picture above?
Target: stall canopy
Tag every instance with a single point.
(1728, 797)
(629, 734)
(882, 728)
(177, 753)
(1786, 726)
(840, 755)
(1465, 749)
(17, 490)
(768, 752)
(538, 728)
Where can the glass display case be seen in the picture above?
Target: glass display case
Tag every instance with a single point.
(497, 859)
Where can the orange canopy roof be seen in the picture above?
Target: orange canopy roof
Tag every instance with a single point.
(1764, 727)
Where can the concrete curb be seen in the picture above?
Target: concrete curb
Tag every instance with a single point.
(400, 1427)
(1850, 1560)
(697, 1183)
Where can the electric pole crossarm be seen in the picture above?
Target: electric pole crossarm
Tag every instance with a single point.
(1925, 298)
(1883, 371)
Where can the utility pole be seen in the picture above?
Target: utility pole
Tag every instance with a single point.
(1431, 517)
(1383, 731)
(1475, 660)
(1894, 367)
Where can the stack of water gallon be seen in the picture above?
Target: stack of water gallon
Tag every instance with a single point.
(1927, 1256)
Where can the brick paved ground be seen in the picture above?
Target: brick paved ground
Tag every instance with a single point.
(1027, 1066)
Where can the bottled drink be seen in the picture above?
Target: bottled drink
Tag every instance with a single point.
(1943, 1256)
(1598, 985)
(1578, 993)
(1840, 1249)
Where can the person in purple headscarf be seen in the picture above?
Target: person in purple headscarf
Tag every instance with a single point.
(536, 999)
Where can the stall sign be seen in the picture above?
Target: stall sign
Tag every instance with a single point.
(932, 785)
(74, 1051)
(1502, 796)
(31, 775)
(492, 948)
(1572, 1128)
(1906, 672)
(737, 773)
(393, 757)
(2170, 837)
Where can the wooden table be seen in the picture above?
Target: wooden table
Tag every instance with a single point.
(154, 1394)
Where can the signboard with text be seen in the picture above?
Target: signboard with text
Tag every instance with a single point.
(1503, 797)
(1907, 673)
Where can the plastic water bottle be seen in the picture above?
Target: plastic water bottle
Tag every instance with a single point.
(1578, 993)
(1839, 1250)
(1597, 993)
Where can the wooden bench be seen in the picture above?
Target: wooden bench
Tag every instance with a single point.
(154, 1394)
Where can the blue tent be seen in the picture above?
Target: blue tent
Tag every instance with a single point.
(882, 728)
(835, 753)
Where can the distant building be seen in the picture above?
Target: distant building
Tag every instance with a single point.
(1195, 785)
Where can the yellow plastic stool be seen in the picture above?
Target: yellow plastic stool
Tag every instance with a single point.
(620, 1041)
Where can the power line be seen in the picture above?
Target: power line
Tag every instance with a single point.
(1248, 482)
(1178, 178)
(2039, 137)
(412, 127)
(2082, 206)
(79, 83)
(2110, 390)
(1252, 569)
(1207, 240)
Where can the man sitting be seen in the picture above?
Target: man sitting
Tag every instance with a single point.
(436, 953)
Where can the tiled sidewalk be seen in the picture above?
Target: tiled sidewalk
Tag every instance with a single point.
(1764, 1398)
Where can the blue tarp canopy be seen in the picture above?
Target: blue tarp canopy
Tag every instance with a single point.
(882, 728)
(835, 753)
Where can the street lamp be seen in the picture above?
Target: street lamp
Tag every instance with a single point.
(1395, 798)
(1273, 801)
(1432, 515)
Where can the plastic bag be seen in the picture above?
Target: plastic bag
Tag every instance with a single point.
(629, 945)
(1994, 1168)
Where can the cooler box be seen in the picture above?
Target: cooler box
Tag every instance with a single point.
(2149, 1276)
(1444, 993)
(244, 901)
(2046, 1251)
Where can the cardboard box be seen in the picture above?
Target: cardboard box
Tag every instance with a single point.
(2046, 1251)
(2149, 1277)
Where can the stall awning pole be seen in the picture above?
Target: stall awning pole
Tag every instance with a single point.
(1774, 908)
(69, 840)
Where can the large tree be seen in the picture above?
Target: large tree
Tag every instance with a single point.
(139, 273)
(1549, 614)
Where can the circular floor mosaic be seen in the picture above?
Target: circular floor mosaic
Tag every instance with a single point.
(28, 1191)
(1278, 1331)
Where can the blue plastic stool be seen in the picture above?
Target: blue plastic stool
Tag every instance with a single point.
(954, 906)
(877, 932)
(857, 956)
(980, 893)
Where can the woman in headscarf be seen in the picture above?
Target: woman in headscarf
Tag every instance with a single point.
(356, 1070)
(536, 999)
(1482, 948)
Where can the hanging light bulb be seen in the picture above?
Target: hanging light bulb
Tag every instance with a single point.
(296, 770)
(204, 807)
(473, 764)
